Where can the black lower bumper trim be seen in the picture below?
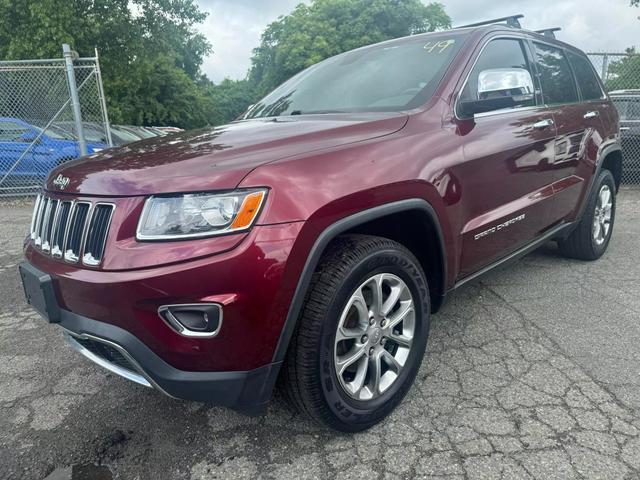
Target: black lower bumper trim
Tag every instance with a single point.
(245, 391)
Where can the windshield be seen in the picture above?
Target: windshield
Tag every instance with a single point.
(124, 135)
(628, 108)
(55, 132)
(387, 77)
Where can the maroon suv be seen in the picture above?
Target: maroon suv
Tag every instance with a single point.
(313, 239)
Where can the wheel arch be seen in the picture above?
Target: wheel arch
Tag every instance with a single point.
(375, 221)
(612, 161)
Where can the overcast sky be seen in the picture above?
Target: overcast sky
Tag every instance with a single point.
(234, 26)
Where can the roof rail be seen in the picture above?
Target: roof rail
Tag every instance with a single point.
(511, 21)
(549, 32)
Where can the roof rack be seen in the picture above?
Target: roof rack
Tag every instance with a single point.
(511, 21)
(549, 32)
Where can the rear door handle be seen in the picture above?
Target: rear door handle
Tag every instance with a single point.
(592, 114)
(543, 124)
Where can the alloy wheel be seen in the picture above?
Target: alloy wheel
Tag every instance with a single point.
(602, 216)
(374, 336)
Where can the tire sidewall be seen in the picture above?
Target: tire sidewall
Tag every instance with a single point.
(344, 407)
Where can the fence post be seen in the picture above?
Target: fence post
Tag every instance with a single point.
(605, 68)
(103, 103)
(75, 100)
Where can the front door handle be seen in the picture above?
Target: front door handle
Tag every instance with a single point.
(592, 114)
(543, 124)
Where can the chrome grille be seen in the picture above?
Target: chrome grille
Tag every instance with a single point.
(97, 234)
(72, 230)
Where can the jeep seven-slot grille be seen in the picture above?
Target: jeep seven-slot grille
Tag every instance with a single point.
(73, 230)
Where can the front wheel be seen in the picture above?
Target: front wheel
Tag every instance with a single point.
(361, 336)
(591, 237)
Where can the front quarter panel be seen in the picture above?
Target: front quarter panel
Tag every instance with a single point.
(322, 188)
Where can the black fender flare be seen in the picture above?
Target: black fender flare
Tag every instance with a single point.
(610, 148)
(330, 233)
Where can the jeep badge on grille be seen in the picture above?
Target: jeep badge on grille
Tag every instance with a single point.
(61, 181)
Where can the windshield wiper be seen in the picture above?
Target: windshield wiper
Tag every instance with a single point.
(316, 112)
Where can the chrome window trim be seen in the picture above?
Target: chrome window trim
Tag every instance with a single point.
(87, 258)
(504, 111)
(178, 327)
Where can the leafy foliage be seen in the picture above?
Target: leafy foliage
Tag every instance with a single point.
(624, 74)
(150, 52)
(325, 28)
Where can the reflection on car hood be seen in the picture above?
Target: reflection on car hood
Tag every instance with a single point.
(215, 158)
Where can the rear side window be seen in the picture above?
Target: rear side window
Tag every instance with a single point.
(586, 76)
(500, 53)
(558, 85)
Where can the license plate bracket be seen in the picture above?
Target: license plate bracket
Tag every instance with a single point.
(39, 292)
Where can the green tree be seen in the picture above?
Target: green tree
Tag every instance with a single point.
(229, 99)
(150, 51)
(325, 28)
(624, 73)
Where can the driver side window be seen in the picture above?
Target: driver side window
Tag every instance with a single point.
(503, 53)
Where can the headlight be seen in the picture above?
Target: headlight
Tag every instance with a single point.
(198, 214)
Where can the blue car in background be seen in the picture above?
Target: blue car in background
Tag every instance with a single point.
(54, 146)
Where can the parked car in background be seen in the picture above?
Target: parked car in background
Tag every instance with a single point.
(95, 132)
(169, 129)
(313, 240)
(142, 132)
(36, 151)
(628, 104)
(158, 132)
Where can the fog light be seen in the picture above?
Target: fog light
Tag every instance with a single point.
(193, 320)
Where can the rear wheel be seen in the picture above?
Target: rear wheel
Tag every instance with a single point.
(361, 336)
(590, 239)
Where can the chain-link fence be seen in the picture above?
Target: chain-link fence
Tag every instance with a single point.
(620, 73)
(51, 111)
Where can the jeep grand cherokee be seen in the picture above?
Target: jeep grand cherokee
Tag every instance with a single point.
(313, 239)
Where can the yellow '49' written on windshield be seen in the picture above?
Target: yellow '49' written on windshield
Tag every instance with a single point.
(438, 47)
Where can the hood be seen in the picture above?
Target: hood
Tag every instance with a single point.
(215, 158)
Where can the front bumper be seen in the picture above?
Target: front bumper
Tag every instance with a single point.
(253, 282)
(124, 354)
(247, 391)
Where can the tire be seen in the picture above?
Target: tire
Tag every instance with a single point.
(586, 242)
(312, 383)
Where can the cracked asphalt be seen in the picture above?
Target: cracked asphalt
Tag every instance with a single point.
(531, 373)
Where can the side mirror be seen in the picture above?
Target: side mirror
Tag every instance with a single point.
(499, 88)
